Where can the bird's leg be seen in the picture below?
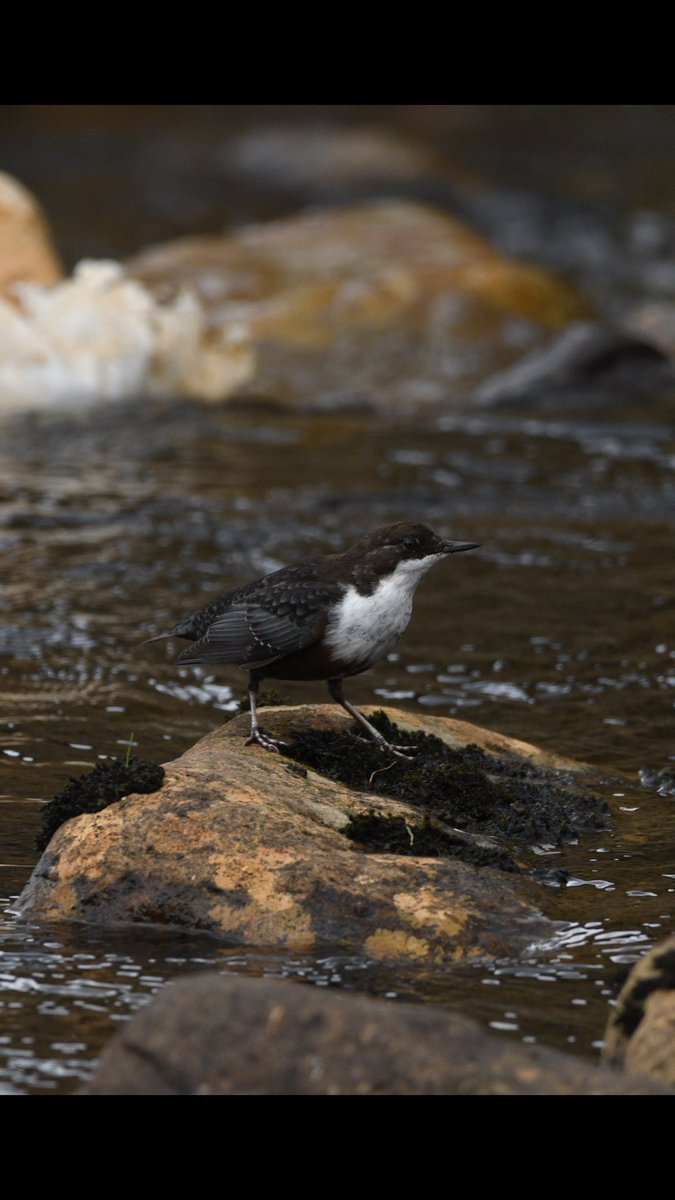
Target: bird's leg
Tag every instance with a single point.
(257, 734)
(335, 689)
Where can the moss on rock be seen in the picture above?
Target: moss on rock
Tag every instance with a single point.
(109, 781)
(503, 796)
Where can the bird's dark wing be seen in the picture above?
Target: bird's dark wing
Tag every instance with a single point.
(264, 591)
(258, 631)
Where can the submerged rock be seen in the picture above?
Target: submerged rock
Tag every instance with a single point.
(641, 1031)
(259, 849)
(221, 1035)
(26, 250)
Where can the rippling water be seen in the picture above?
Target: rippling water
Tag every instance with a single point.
(558, 631)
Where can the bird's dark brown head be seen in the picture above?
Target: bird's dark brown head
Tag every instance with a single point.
(380, 552)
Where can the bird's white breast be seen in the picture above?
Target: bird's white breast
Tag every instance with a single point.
(363, 629)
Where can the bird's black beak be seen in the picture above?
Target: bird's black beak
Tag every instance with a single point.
(455, 547)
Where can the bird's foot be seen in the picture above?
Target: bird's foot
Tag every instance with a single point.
(263, 739)
(398, 751)
(389, 747)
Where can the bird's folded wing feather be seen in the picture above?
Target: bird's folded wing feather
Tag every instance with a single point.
(254, 636)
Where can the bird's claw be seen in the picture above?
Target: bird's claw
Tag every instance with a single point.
(263, 739)
(397, 751)
(387, 747)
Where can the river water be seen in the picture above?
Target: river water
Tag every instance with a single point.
(559, 630)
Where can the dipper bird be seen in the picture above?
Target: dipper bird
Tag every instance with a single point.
(328, 617)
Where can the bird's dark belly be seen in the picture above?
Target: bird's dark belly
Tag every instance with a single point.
(315, 662)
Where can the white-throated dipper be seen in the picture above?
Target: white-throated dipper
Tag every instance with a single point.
(326, 618)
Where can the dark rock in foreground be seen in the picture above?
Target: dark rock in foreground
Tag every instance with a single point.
(221, 1035)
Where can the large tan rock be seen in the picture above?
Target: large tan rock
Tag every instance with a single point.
(304, 277)
(245, 844)
(320, 292)
(217, 1035)
(641, 1031)
(26, 250)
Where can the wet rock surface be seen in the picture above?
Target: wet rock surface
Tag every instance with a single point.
(320, 162)
(224, 1035)
(258, 848)
(399, 298)
(641, 1031)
